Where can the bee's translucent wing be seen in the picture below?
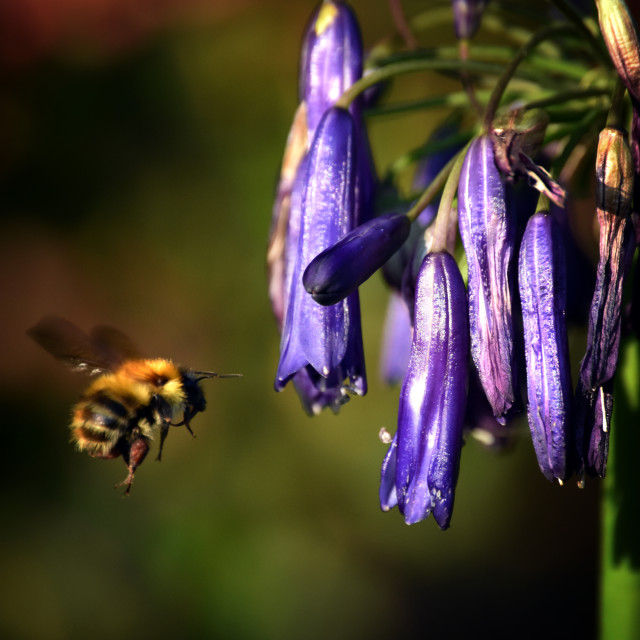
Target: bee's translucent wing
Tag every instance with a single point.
(104, 350)
(113, 345)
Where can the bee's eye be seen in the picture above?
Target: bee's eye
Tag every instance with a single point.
(161, 381)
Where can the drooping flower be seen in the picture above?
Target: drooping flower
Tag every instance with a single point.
(420, 471)
(543, 297)
(467, 15)
(332, 60)
(326, 338)
(342, 268)
(487, 235)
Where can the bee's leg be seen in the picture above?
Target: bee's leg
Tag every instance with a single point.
(134, 457)
(187, 421)
(164, 431)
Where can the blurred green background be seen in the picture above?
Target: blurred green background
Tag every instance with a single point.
(139, 146)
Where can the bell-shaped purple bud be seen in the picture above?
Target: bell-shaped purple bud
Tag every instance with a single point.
(342, 268)
(425, 454)
(326, 338)
(396, 343)
(614, 191)
(487, 235)
(543, 294)
(467, 15)
(331, 59)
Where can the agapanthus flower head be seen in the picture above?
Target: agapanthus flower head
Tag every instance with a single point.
(342, 268)
(467, 15)
(487, 234)
(420, 471)
(543, 297)
(328, 339)
(621, 37)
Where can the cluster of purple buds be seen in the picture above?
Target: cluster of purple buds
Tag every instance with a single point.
(325, 189)
(450, 342)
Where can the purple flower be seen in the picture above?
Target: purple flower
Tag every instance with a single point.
(543, 297)
(488, 239)
(328, 339)
(396, 344)
(331, 59)
(342, 268)
(420, 471)
(466, 17)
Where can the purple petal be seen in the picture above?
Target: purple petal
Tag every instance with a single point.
(432, 400)
(337, 271)
(396, 344)
(388, 495)
(488, 239)
(331, 59)
(543, 299)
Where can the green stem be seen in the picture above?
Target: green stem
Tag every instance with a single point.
(503, 81)
(451, 100)
(620, 571)
(566, 96)
(411, 66)
(447, 216)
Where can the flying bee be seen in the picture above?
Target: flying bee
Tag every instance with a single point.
(131, 399)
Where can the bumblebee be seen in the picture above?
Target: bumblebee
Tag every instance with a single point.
(132, 399)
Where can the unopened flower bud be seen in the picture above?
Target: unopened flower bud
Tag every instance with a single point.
(542, 281)
(331, 58)
(614, 189)
(343, 267)
(420, 471)
(487, 235)
(466, 17)
(621, 37)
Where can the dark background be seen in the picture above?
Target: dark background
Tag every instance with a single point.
(139, 147)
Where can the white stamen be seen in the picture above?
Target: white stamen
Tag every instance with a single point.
(605, 426)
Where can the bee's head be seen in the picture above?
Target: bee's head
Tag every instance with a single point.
(194, 397)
